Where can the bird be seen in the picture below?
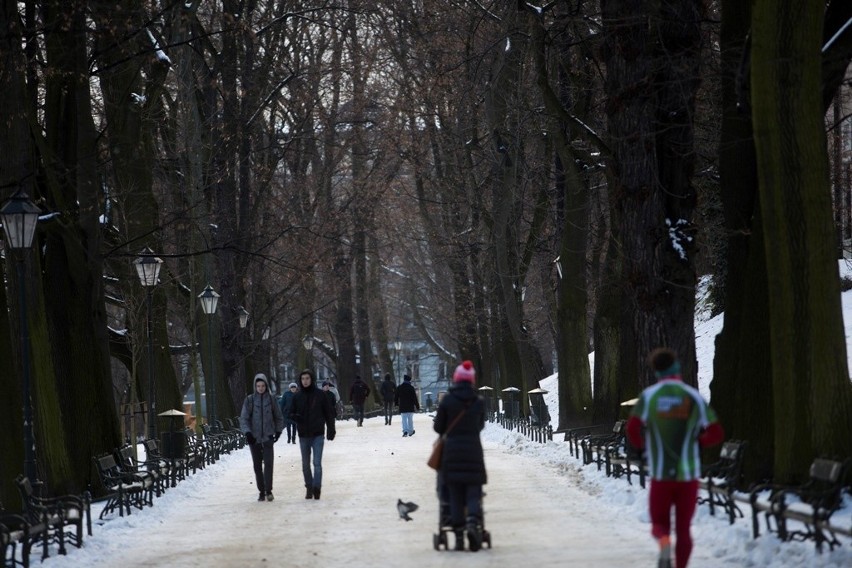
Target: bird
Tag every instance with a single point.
(405, 508)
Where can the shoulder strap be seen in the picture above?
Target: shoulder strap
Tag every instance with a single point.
(456, 419)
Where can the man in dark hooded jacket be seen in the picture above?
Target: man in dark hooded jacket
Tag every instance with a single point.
(314, 416)
(358, 393)
(461, 416)
(261, 421)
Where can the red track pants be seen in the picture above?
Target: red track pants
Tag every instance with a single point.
(683, 496)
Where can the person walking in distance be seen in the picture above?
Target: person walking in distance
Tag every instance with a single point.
(461, 416)
(406, 399)
(388, 393)
(358, 393)
(314, 416)
(677, 423)
(326, 388)
(261, 421)
(286, 402)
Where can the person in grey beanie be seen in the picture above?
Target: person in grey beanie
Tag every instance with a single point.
(262, 422)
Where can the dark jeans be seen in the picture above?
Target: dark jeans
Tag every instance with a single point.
(309, 445)
(388, 410)
(358, 412)
(290, 426)
(263, 455)
(464, 498)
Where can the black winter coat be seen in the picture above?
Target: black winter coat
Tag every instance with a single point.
(388, 390)
(406, 397)
(313, 413)
(463, 460)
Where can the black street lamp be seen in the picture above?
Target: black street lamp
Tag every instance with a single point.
(148, 268)
(209, 298)
(244, 317)
(19, 216)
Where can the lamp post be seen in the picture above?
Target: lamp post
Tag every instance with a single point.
(244, 316)
(397, 345)
(19, 216)
(209, 298)
(148, 269)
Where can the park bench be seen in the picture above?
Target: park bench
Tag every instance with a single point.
(574, 436)
(623, 459)
(123, 490)
(196, 452)
(156, 470)
(233, 425)
(16, 533)
(803, 512)
(215, 443)
(721, 479)
(175, 460)
(57, 519)
(594, 447)
(834, 528)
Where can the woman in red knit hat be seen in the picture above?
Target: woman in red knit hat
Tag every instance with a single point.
(461, 415)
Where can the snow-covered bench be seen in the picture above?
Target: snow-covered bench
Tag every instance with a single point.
(721, 479)
(804, 512)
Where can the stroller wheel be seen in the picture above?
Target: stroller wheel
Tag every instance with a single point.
(436, 541)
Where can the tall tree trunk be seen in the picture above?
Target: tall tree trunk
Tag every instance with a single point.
(812, 395)
(132, 103)
(742, 366)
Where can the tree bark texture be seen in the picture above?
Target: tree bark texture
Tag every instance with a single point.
(811, 389)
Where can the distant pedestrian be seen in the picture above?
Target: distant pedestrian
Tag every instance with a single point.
(262, 423)
(461, 416)
(286, 402)
(677, 423)
(358, 393)
(332, 396)
(406, 399)
(314, 417)
(388, 395)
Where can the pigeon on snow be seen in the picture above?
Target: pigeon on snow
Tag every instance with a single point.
(405, 508)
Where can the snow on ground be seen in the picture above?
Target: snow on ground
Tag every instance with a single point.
(542, 509)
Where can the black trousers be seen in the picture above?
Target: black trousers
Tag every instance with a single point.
(358, 412)
(388, 410)
(262, 457)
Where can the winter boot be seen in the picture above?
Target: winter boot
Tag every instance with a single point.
(309, 494)
(474, 534)
(262, 496)
(270, 497)
(459, 539)
(316, 493)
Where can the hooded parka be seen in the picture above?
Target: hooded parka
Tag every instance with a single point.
(261, 416)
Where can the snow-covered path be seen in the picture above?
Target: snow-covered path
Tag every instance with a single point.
(541, 508)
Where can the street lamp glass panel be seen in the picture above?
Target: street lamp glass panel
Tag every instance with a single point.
(266, 334)
(398, 345)
(148, 267)
(209, 299)
(19, 216)
(244, 316)
(308, 342)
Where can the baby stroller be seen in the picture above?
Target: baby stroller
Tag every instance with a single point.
(440, 538)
